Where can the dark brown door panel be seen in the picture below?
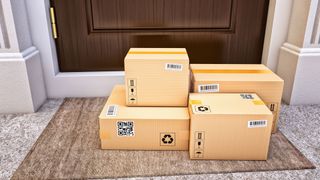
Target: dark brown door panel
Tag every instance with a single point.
(95, 35)
(160, 14)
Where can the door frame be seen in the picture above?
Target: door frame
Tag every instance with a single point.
(97, 84)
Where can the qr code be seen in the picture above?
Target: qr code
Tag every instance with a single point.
(125, 128)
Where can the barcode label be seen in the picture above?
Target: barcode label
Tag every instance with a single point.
(208, 88)
(112, 110)
(257, 123)
(125, 128)
(132, 82)
(174, 67)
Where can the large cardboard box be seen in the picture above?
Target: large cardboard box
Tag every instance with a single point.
(142, 128)
(237, 78)
(229, 126)
(157, 77)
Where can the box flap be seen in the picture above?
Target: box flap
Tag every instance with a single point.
(227, 103)
(157, 54)
(233, 72)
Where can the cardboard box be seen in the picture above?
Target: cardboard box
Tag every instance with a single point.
(142, 128)
(157, 77)
(229, 126)
(238, 78)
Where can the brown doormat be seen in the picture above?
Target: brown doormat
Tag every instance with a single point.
(69, 147)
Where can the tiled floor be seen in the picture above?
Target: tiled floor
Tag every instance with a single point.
(18, 132)
(301, 124)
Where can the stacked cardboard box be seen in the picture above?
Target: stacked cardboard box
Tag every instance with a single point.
(229, 126)
(140, 115)
(157, 77)
(151, 111)
(240, 78)
(144, 128)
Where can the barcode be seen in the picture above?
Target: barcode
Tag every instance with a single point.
(125, 128)
(112, 110)
(208, 88)
(132, 82)
(257, 123)
(176, 67)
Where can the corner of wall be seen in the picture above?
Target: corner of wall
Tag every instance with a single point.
(36, 80)
(22, 87)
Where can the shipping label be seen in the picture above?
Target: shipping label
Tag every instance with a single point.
(173, 67)
(112, 110)
(208, 88)
(257, 123)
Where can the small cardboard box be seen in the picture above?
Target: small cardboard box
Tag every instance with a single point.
(142, 128)
(157, 77)
(240, 78)
(229, 126)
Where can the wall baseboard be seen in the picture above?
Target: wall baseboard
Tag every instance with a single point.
(299, 67)
(22, 86)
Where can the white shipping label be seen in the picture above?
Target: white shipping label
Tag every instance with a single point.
(112, 110)
(257, 123)
(208, 88)
(125, 128)
(173, 67)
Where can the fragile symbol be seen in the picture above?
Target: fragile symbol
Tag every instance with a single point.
(167, 139)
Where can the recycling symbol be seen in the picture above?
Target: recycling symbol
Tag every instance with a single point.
(167, 139)
(203, 108)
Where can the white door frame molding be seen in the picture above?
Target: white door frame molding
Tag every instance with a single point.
(276, 31)
(73, 84)
(299, 59)
(86, 84)
(9, 40)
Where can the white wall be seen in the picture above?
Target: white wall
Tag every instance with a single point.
(14, 87)
(307, 81)
(20, 90)
(21, 79)
(299, 60)
(19, 12)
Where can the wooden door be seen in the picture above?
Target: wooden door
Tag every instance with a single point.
(95, 35)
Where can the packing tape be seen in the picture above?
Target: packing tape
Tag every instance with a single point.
(195, 102)
(258, 102)
(156, 52)
(230, 71)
